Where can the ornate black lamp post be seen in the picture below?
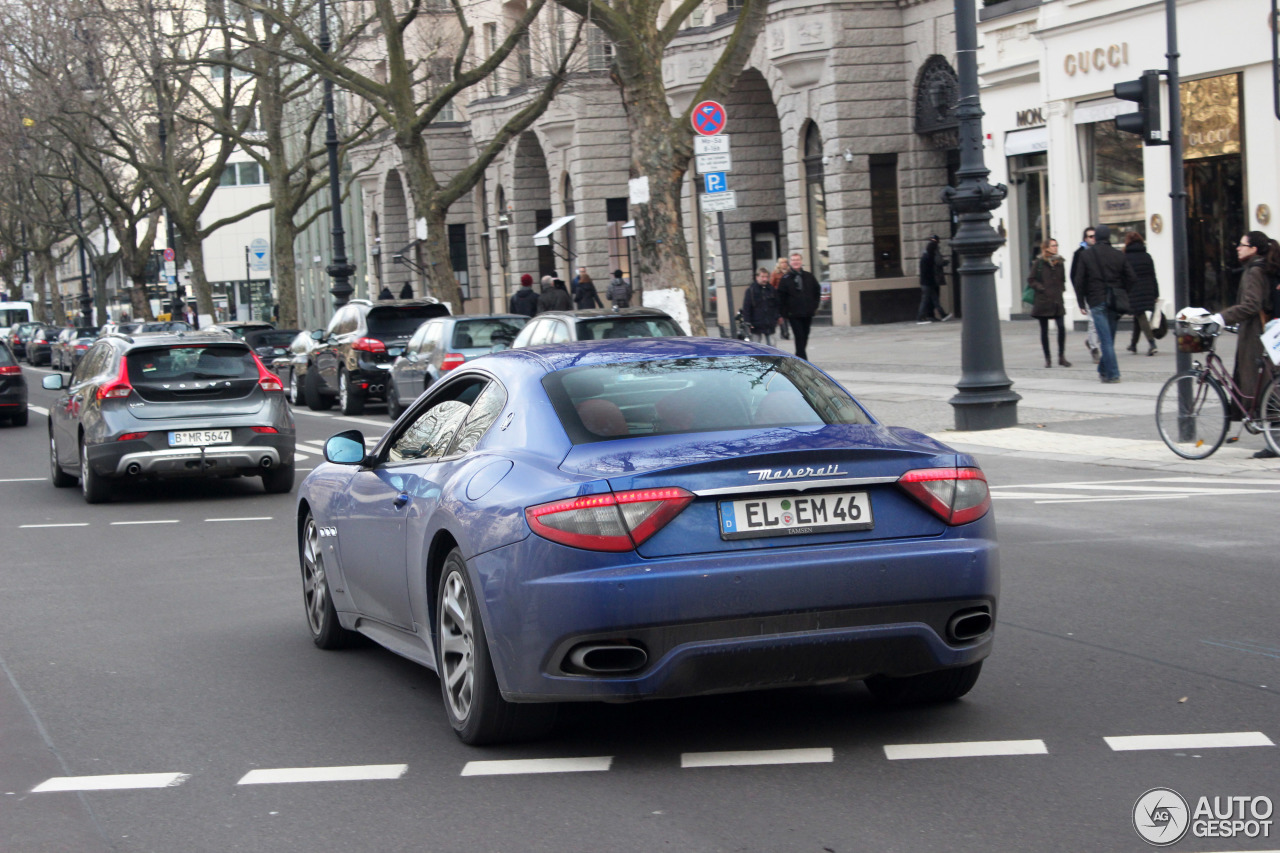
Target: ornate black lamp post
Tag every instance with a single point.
(986, 399)
(341, 269)
(86, 301)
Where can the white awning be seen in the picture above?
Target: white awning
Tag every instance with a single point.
(543, 237)
(1103, 109)
(1033, 140)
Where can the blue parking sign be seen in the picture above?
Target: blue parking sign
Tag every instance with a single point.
(716, 182)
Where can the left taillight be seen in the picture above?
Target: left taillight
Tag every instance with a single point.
(955, 495)
(452, 360)
(10, 370)
(267, 380)
(613, 521)
(370, 345)
(119, 387)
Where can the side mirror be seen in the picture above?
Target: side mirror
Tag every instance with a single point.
(412, 356)
(52, 382)
(345, 448)
(317, 335)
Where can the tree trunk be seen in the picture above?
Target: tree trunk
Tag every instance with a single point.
(138, 299)
(285, 266)
(424, 189)
(194, 250)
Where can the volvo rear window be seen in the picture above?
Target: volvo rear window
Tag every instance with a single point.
(605, 402)
(602, 328)
(401, 322)
(192, 371)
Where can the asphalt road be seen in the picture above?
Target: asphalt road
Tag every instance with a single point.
(165, 635)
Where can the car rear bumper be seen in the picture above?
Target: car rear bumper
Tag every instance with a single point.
(788, 616)
(138, 459)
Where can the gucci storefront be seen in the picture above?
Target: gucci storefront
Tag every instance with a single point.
(1047, 74)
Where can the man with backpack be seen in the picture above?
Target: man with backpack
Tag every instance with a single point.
(619, 291)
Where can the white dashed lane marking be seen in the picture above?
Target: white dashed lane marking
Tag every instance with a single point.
(964, 749)
(25, 480)
(64, 524)
(118, 782)
(537, 765)
(757, 757)
(357, 773)
(1199, 741)
(38, 409)
(246, 518)
(147, 521)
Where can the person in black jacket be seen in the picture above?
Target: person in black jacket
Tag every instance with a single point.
(799, 296)
(933, 274)
(1086, 242)
(406, 292)
(586, 296)
(524, 301)
(555, 299)
(1101, 272)
(1142, 296)
(760, 308)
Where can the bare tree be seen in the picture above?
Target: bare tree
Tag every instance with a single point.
(662, 143)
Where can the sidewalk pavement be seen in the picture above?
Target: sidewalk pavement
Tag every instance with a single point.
(906, 374)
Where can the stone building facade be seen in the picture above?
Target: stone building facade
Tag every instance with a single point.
(828, 158)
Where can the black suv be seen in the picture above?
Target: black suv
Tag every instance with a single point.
(187, 404)
(350, 364)
(13, 388)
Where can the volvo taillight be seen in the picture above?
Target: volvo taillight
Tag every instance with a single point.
(955, 495)
(119, 387)
(452, 360)
(267, 380)
(613, 521)
(372, 345)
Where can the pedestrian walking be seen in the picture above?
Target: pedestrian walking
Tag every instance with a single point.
(1145, 291)
(1261, 258)
(775, 278)
(524, 301)
(799, 296)
(619, 291)
(555, 299)
(406, 292)
(1086, 242)
(586, 296)
(1049, 281)
(1102, 283)
(933, 271)
(385, 293)
(760, 308)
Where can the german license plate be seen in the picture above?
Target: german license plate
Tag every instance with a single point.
(199, 437)
(795, 515)
(394, 351)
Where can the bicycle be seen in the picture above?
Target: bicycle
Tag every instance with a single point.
(1191, 410)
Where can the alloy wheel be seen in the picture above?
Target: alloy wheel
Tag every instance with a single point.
(315, 587)
(457, 646)
(342, 391)
(293, 387)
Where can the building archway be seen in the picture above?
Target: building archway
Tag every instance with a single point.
(531, 208)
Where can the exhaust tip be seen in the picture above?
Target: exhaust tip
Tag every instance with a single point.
(266, 462)
(134, 469)
(969, 625)
(607, 658)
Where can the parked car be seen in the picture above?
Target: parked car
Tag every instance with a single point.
(40, 343)
(678, 517)
(351, 362)
(12, 314)
(291, 367)
(240, 327)
(162, 326)
(71, 343)
(13, 388)
(442, 344)
(594, 324)
(191, 404)
(18, 337)
(270, 344)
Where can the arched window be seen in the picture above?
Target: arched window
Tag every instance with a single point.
(817, 258)
(504, 240)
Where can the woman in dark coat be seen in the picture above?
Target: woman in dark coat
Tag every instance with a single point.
(1144, 290)
(585, 295)
(1049, 280)
(1261, 258)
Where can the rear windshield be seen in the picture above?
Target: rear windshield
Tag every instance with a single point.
(600, 328)
(485, 333)
(604, 402)
(401, 322)
(87, 333)
(6, 359)
(189, 370)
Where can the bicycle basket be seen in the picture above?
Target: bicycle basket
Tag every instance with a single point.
(1195, 337)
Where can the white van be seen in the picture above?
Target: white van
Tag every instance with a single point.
(13, 313)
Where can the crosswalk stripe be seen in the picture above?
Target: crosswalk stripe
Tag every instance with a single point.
(514, 767)
(354, 773)
(757, 757)
(117, 782)
(964, 749)
(1210, 740)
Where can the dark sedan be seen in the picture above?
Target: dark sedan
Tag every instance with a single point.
(291, 367)
(40, 345)
(13, 388)
(443, 344)
(71, 346)
(196, 404)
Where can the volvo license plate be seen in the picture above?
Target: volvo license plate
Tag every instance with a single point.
(795, 515)
(199, 437)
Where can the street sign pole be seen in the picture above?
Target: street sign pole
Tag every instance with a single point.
(724, 266)
(248, 281)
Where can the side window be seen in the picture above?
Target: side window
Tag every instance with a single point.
(485, 410)
(431, 339)
(431, 433)
(415, 342)
(543, 332)
(92, 364)
(559, 333)
(336, 323)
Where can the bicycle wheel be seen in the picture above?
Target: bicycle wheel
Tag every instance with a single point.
(1191, 414)
(1269, 415)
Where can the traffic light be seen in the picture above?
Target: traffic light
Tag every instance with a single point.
(1146, 121)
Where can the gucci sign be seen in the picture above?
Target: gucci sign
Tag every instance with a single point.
(1098, 59)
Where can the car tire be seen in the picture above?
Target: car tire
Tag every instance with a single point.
(350, 400)
(394, 409)
(20, 417)
(95, 489)
(322, 617)
(278, 480)
(293, 387)
(60, 479)
(927, 688)
(472, 701)
(316, 401)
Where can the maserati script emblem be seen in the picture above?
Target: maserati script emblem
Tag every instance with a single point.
(796, 473)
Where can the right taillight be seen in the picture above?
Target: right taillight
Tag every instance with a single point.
(608, 522)
(370, 345)
(10, 370)
(118, 387)
(955, 495)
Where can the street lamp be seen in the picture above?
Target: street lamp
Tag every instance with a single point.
(341, 269)
(986, 399)
(86, 301)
